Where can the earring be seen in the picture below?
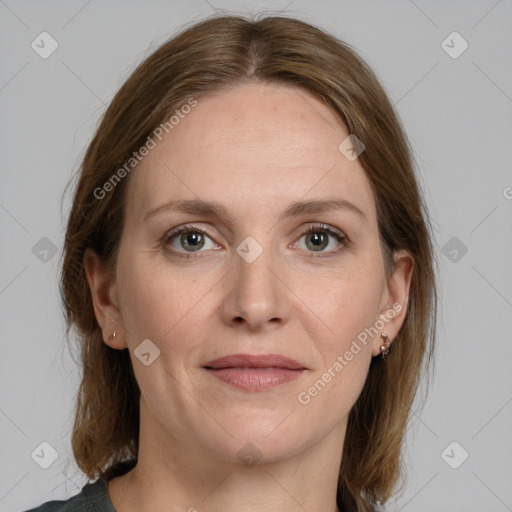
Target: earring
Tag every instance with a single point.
(384, 348)
(112, 336)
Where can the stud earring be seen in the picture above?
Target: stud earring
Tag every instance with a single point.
(384, 348)
(112, 336)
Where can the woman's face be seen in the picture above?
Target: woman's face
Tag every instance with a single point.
(257, 167)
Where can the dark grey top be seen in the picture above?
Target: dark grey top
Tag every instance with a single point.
(92, 498)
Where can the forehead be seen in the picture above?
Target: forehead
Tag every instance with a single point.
(257, 147)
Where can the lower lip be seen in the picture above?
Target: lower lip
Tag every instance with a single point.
(255, 379)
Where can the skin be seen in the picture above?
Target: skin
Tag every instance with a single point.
(254, 148)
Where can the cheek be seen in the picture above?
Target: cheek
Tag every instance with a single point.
(346, 352)
(329, 398)
(155, 302)
(349, 305)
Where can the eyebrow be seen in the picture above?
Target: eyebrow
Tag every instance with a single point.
(214, 209)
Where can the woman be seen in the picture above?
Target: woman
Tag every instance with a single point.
(247, 224)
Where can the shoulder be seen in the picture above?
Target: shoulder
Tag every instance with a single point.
(92, 498)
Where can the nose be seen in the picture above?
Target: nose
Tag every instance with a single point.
(256, 295)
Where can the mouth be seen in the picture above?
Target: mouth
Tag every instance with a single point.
(255, 372)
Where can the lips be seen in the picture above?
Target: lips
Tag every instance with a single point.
(254, 361)
(254, 372)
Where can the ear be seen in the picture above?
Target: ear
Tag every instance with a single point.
(105, 300)
(395, 299)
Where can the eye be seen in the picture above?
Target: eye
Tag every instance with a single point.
(318, 237)
(189, 239)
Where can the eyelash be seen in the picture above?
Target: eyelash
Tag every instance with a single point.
(190, 228)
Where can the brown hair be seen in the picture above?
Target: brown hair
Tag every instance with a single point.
(214, 53)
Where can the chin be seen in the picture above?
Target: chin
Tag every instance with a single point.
(261, 438)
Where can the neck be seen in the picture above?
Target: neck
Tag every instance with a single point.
(173, 475)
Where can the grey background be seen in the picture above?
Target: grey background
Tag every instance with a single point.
(457, 113)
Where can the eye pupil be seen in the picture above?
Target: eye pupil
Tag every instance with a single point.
(318, 239)
(192, 240)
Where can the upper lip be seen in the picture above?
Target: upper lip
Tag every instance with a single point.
(254, 361)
